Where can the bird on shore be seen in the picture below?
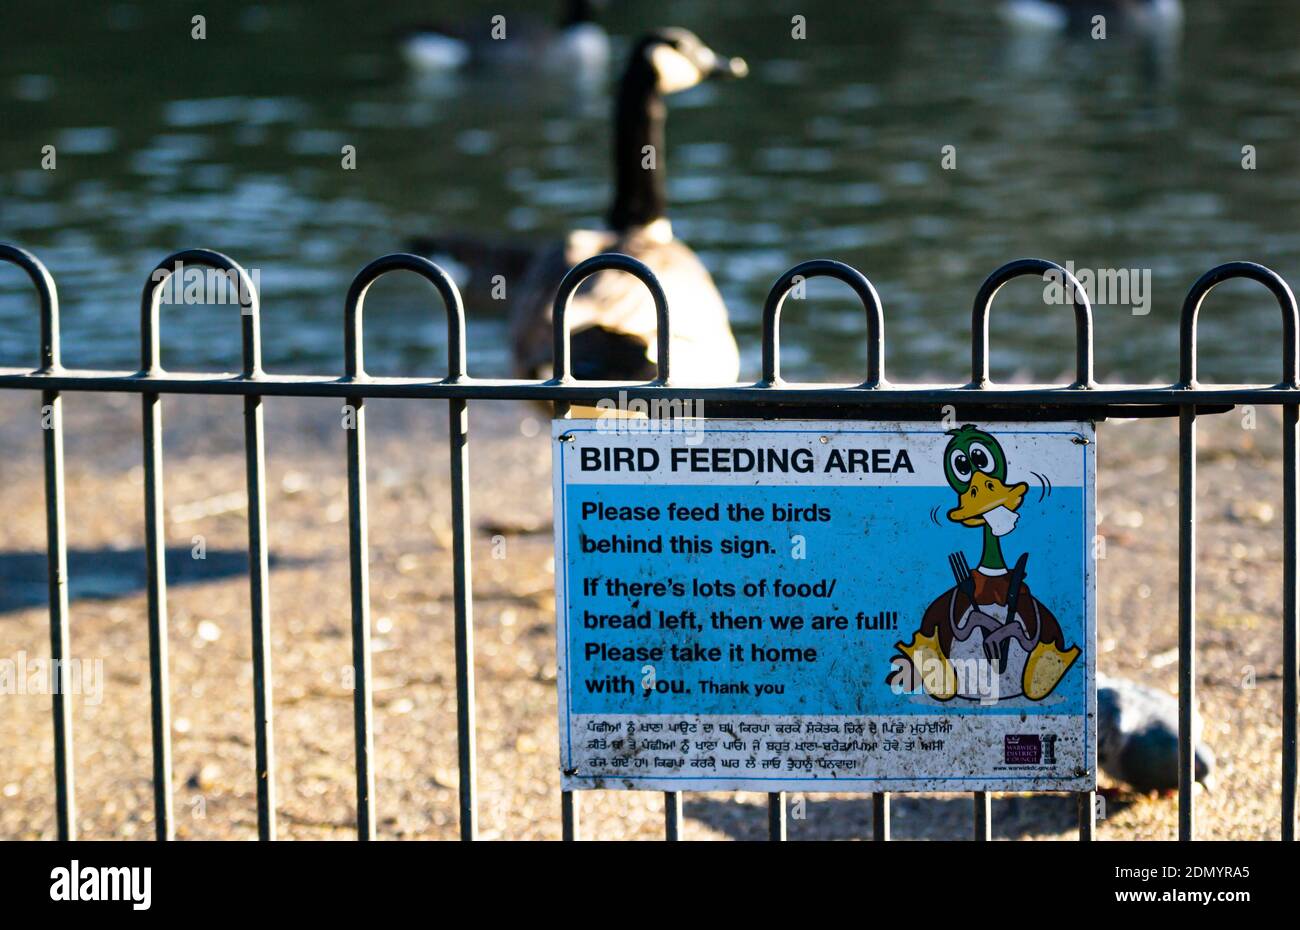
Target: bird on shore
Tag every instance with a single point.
(612, 317)
(1077, 15)
(1137, 736)
(575, 42)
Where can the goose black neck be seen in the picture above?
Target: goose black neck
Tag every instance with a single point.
(639, 113)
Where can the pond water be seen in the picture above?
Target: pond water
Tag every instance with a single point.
(1109, 154)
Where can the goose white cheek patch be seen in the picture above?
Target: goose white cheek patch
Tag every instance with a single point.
(675, 71)
(1001, 521)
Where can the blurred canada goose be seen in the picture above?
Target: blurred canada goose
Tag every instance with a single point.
(1077, 15)
(612, 318)
(576, 41)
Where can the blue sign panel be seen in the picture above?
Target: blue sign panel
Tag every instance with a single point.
(825, 605)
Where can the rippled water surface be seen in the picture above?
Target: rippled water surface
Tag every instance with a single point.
(1111, 154)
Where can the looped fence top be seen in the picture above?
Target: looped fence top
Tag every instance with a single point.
(431, 272)
(48, 295)
(984, 302)
(240, 282)
(823, 268)
(608, 261)
(1209, 281)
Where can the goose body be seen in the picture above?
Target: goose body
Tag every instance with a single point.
(577, 42)
(1061, 15)
(429, 50)
(612, 317)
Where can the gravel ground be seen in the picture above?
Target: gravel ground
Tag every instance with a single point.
(1239, 664)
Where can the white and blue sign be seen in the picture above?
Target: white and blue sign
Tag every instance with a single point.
(823, 606)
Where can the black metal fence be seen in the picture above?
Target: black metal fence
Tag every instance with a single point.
(771, 397)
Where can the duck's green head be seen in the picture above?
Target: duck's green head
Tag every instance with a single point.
(976, 468)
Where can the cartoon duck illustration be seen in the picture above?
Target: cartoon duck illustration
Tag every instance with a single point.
(987, 637)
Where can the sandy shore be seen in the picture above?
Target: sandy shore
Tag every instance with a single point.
(1239, 605)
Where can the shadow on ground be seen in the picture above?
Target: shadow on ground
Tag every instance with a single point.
(912, 817)
(97, 574)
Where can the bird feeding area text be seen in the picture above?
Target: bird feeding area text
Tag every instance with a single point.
(765, 605)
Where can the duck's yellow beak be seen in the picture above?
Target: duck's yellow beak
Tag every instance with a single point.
(984, 493)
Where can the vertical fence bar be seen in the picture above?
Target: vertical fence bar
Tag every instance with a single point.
(155, 566)
(155, 553)
(1186, 618)
(1187, 554)
(570, 820)
(672, 816)
(880, 816)
(57, 555)
(359, 563)
(260, 598)
(776, 819)
(359, 578)
(56, 546)
(259, 569)
(1290, 620)
(459, 444)
(983, 816)
(1087, 811)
